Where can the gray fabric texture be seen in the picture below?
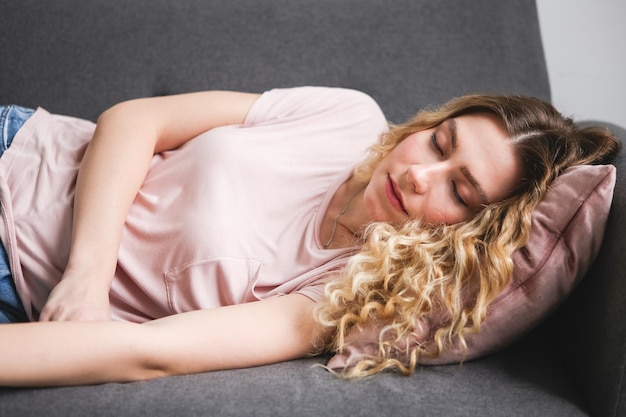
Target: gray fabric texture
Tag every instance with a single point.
(78, 57)
(589, 328)
(522, 381)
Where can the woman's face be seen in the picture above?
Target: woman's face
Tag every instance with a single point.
(443, 175)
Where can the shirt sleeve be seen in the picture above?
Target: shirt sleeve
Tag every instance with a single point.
(287, 104)
(314, 291)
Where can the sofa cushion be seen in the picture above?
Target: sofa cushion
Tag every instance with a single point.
(566, 234)
(524, 380)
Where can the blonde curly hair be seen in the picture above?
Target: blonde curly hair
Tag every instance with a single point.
(433, 283)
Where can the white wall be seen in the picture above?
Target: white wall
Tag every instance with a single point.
(585, 46)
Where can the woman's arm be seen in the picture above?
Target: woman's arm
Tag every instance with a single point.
(113, 169)
(73, 353)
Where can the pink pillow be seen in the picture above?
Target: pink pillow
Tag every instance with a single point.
(566, 234)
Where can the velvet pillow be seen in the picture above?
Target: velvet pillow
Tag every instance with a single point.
(566, 234)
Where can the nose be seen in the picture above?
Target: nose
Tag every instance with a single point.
(423, 176)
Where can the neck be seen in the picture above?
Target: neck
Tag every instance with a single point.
(345, 218)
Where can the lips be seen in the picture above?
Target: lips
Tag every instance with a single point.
(394, 196)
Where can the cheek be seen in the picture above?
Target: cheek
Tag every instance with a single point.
(371, 203)
(436, 217)
(454, 218)
(441, 214)
(405, 152)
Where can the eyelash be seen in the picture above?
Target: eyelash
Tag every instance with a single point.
(457, 196)
(433, 140)
(455, 192)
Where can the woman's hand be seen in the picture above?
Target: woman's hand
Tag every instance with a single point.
(77, 298)
(113, 169)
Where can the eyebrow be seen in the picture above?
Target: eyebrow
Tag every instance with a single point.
(451, 124)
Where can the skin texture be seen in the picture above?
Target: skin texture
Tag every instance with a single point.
(440, 175)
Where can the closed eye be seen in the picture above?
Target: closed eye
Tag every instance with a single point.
(433, 140)
(457, 196)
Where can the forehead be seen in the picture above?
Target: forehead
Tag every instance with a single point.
(485, 150)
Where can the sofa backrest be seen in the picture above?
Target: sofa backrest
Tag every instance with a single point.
(79, 57)
(589, 329)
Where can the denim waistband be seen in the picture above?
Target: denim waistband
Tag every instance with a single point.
(11, 120)
(11, 309)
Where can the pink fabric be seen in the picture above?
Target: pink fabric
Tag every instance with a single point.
(567, 231)
(230, 217)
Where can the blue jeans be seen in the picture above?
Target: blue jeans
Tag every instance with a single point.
(11, 308)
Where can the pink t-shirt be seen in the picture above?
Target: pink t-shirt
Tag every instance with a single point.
(232, 216)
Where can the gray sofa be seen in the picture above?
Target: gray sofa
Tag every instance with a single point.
(78, 57)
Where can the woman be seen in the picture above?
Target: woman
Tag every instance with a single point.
(263, 204)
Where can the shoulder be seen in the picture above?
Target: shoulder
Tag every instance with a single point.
(326, 97)
(311, 101)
